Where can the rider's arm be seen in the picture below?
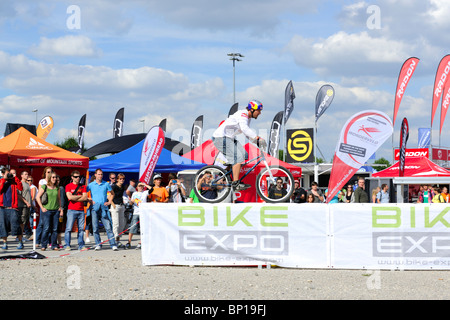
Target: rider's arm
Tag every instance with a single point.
(243, 125)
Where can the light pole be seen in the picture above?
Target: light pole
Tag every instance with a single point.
(143, 125)
(234, 57)
(35, 111)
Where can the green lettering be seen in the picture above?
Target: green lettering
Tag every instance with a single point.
(264, 216)
(376, 216)
(239, 217)
(196, 213)
(440, 217)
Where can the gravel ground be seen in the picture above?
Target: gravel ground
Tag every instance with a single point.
(120, 275)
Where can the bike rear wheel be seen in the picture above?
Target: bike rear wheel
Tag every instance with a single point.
(214, 189)
(266, 184)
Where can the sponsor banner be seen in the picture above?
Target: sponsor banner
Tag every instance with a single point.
(151, 150)
(274, 135)
(289, 96)
(324, 98)
(439, 154)
(44, 127)
(299, 145)
(81, 129)
(239, 234)
(392, 236)
(233, 109)
(196, 132)
(30, 161)
(339, 236)
(406, 72)
(118, 123)
(445, 104)
(360, 137)
(412, 152)
(424, 140)
(440, 80)
(404, 135)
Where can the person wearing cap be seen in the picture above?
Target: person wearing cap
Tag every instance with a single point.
(138, 197)
(159, 193)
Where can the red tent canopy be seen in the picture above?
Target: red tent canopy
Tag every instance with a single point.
(414, 167)
(207, 152)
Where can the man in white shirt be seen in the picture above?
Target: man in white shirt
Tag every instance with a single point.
(225, 142)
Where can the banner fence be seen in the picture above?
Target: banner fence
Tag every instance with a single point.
(325, 236)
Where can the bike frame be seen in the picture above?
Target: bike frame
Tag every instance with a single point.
(261, 157)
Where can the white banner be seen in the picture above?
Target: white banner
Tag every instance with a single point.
(346, 236)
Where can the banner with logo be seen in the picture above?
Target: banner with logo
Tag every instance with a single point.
(44, 127)
(440, 80)
(404, 135)
(81, 129)
(406, 72)
(239, 234)
(330, 236)
(196, 132)
(360, 137)
(163, 124)
(151, 150)
(300, 145)
(445, 104)
(324, 98)
(424, 139)
(412, 152)
(289, 96)
(118, 123)
(274, 135)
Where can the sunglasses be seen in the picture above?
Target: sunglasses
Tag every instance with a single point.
(75, 177)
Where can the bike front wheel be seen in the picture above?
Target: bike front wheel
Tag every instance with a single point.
(212, 184)
(275, 184)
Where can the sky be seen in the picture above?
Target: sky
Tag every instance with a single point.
(168, 60)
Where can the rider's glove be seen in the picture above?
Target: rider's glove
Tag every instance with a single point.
(261, 143)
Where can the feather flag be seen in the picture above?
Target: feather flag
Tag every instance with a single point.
(445, 104)
(118, 124)
(406, 72)
(360, 137)
(404, 135)
(439, 83)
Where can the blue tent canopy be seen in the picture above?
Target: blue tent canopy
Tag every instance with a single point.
(129, 161)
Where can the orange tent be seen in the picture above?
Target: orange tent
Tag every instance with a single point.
(22, 148)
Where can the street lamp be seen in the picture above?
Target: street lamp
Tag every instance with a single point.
(234, 57)
(143, 125)
(35, 111)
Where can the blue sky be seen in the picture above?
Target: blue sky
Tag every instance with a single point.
(169, 60)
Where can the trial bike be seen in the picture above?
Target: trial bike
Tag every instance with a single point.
(213, 183)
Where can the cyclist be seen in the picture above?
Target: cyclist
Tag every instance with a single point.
(225, 142)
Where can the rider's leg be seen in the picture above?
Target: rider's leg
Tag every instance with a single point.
(236, 171)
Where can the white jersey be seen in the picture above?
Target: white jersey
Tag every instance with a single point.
(235, 124)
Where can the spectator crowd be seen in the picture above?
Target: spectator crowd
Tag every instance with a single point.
(114, 205)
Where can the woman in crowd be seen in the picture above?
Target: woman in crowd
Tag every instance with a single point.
(374, 194)
(348, 194)
(50, 212)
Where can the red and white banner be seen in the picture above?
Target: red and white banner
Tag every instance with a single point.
(445, 104)
(406, 72)
(360, 137)
(412, 152)
(151, 150)
(439, 154)
(439, 83)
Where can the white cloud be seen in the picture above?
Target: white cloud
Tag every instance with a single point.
(343, 54)
(66, 46)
